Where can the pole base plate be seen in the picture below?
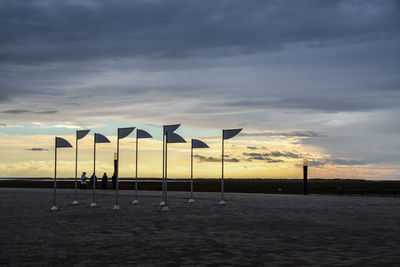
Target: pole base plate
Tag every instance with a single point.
(222, 202)
(165, 208)
(162, 203)
(93, 204)
(191, 200)
(135, 201)
(75, 202)
(54, 208)
(116, 207)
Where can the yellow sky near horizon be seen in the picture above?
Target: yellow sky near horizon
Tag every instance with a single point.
(17, 161)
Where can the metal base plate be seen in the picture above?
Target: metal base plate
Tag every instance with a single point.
(221, 202)
(165, 208)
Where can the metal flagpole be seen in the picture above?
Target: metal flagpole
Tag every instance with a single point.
(136, 201)
(139, 134)
(116, 206)
(165, 208)
(166, 129)
(59, 142)
(75, 202)
(195, 144)
(162, 203)
(171, 138)
(222, 201)
(94, 174)
(226, 134)
(79, 135)
(55, 175)
(191, 200)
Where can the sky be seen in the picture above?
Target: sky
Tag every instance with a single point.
(304, 79)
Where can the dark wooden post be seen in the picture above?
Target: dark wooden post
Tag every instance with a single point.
(305, 176)
(115, 163)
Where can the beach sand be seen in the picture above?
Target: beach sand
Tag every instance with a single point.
(252, 229)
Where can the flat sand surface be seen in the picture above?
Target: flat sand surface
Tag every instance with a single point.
(252, 229)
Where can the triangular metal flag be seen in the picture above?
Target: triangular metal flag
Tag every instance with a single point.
(170, 128)
(124, 132)
(143, 134)
(227, 134)
(61, 142)
(81, 133)
(198, 144)
(99, 138)
(174, 138)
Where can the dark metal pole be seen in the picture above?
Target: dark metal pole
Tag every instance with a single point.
(136, 168)
(94, 173)
(222, 180)
(55, 174)
(191, 171)
(115, 164)
(163, 174)
(76, 170)
(117, 176)
(166, 174)
(305, 176)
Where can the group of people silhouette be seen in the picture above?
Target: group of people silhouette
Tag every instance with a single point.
(93, 179)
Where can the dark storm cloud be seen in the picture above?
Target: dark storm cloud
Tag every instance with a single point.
(47, 112)
(212, 159)
(23, 111)
(16, 111)
(36, 149)
(266, 159)
(74, 38)
(325, 104)
(261, 156)
(39, 31)
(272, 154)
(3, 125)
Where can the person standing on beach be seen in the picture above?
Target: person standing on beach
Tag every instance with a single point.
(83, 181)
(104, 181)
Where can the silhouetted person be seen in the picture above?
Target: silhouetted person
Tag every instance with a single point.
(114, 181)
(83, 180)
(104, 181)
(93, 179)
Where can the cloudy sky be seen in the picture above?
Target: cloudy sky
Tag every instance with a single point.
(305, 79)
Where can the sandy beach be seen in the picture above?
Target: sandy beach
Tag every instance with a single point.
(252, 229)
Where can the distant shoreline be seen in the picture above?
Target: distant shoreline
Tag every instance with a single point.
(267, 186)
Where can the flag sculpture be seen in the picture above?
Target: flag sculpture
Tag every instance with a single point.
(79, 135)
(122, 133)
(195, 144)
(98, 138)
(59, 143)
(226, 134)
(171, 138)
(166, 129)
(139, 134)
